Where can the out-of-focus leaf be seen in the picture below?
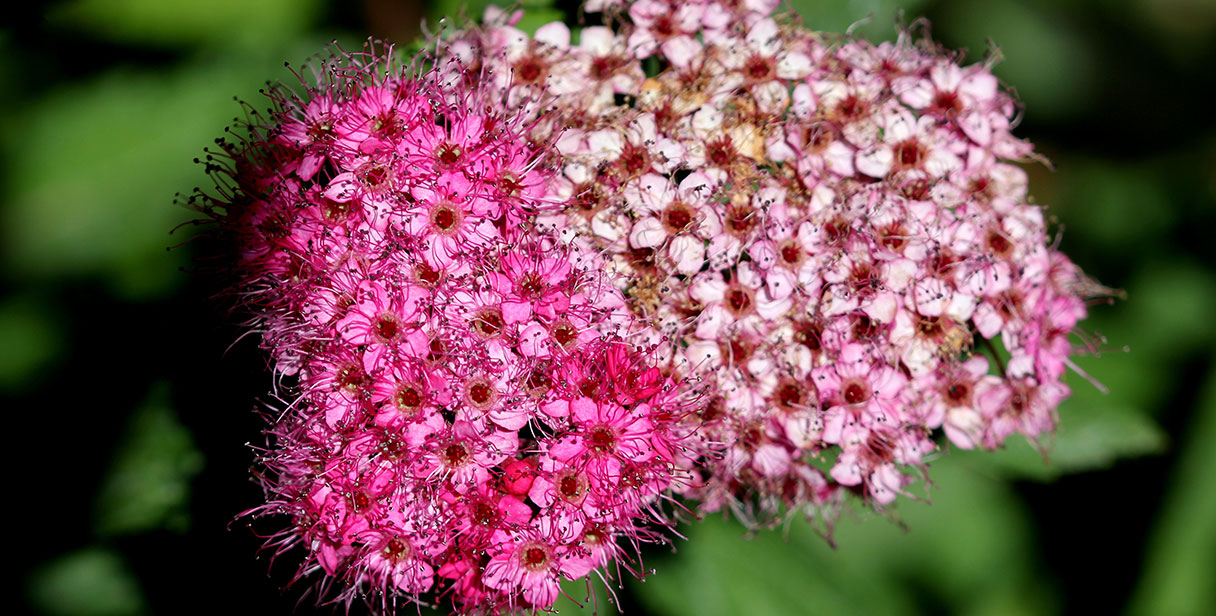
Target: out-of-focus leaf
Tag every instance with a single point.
(148, 485)
(94, 168)
(587, 596)
(31, 342)
(90, 582)
(719, 572)
(187, 22)
(968, 543)
(535, 18)
(873, 19)
(969, 547)
(1131, 204)
(1168, 310)
(1045, 59)
(536, 12)
(1185, 27)
(1181, 558)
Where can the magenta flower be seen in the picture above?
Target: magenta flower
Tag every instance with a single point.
(464, 413)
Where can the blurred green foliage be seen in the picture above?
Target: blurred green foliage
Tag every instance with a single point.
(89, 582)
(1182, 550)
(148, 483)
(968, 549)
(32, 342)
(187, 22)
(106, 103)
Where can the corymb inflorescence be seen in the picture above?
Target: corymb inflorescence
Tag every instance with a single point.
(528, 299)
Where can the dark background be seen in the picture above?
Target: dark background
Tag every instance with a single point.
(130, 407)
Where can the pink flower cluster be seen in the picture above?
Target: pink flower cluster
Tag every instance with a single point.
(523, 303)
(463, 413)
(825, 230)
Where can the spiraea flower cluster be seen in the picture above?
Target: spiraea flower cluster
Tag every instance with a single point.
(833, 234)
(467, 412)
(526, 303)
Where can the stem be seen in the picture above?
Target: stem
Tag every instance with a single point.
(1000, 363)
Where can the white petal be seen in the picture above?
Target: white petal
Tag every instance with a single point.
(794, 65)
(875, 162)
(647, 233)
(554, 33)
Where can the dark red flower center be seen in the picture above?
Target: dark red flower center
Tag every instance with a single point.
(909, 153)
(387, 328)
(720, 152)
(488, 322)
(856, 393)
(758, 68)
(375, 177)
(739, 299)
(790, 395)
(456, 454)
(958, 393)
(808, 334)
(677, 217)
(535, 558)
(865, 328)
(850, 108)
(360, 500)
(445, 217)
(480, 393)
(408, 399)
(791, 252)
(427, 274)
(448, 153)
(531, 285)
(571, 487)
(564, 333)
(601, 438)
(892, 237)
(634, 160)
(510, 183)
(998, 243)
(484, 513)
(947, 103)
(397, 550)
(352, 378)
(663, 25)
(529, 70)
(930, 327)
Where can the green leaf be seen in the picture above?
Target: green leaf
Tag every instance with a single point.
(187, 22)
(148, 484)
(536, 12)
(94, 167)
(587, 596)
(969, 549)
(1044, 58)
(1168, 312)
(1180, 563)
(90, 582)
(536, 18)
(873, 19)
(32, 341)
(1133, 205)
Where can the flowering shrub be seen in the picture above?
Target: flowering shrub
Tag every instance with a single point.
(519, 300)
